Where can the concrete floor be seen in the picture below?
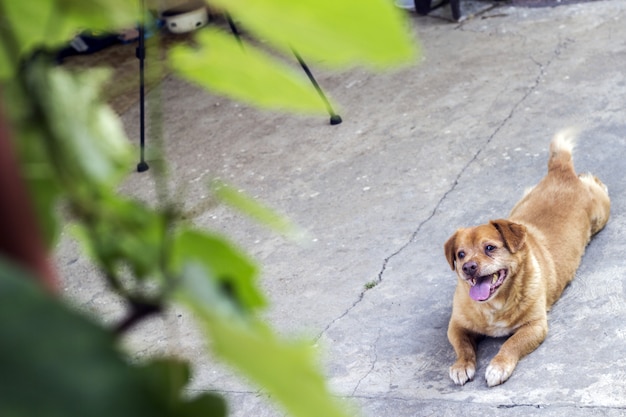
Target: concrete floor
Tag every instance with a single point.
(448, 142)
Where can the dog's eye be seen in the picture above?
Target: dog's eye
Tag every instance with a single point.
(489, 248)
(460, 255)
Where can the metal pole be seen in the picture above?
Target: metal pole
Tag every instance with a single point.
(335, 119)
(141, 55)
(233, 29)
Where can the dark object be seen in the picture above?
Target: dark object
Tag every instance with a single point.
(142, 166)
(140, 52)
(335, 119)
(233, 29)
(424, 7)
(455, 5)
(86, 43)
(139, 310)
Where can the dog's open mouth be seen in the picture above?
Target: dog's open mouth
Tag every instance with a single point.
(483, 287)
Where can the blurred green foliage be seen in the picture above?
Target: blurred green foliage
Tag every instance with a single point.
(74, 153)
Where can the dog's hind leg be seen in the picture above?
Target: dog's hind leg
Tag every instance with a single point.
(600, 203)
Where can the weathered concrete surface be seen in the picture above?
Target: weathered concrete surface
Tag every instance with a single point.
(448, 142)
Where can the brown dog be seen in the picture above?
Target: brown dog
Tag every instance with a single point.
(510, 272)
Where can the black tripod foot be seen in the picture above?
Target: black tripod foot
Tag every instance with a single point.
(456, 9)
(335, 119)
(142, 166)
(423, 7)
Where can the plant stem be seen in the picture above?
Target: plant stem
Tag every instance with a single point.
(139, 311)
(20, 239)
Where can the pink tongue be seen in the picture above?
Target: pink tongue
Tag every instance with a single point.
(481, 291)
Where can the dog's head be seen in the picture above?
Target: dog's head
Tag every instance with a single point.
(485, 256)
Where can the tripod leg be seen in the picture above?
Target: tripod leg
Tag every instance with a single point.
(142, 166)
(234, 29)
(455, 5)
(335, 119)
(422, 7)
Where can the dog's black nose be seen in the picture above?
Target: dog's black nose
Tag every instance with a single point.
(470, 268)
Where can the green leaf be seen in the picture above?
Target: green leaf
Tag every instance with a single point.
(84, 131)
(45, 194)
(44, 189)
(100, 15)
(79, 136)
(205, 405)
(285, 369)
(122, 232)
(57, 363)
(223, 264)
(37, 24)
(372, 33)
(220, 64)
(167, 379)
(7, 63)
(254, 209)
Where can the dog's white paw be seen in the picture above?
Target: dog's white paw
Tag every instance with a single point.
(497, 373)
(460, 373)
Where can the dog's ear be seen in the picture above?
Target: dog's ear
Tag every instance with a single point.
(449, 249)
(513, 234)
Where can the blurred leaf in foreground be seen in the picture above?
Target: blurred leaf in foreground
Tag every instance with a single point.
(120, 233)
(226, 266)
(85, 132)
(71, 144)
(56, 362)
(219, 63)
(372, 33)
(31, 24)
(284, 369)
(253, 208)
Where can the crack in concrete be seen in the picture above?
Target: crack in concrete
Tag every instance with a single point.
(564, 406)
(224, 391)
(373, 365)
(560, 47)
(507, 406)
(541, 406)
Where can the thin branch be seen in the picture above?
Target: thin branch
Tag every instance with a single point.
(140, 310)
(21, 238)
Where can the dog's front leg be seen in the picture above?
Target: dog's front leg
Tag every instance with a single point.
(526, 339)
(464, 344)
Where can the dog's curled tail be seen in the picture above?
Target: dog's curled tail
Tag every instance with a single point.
(561, 149)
